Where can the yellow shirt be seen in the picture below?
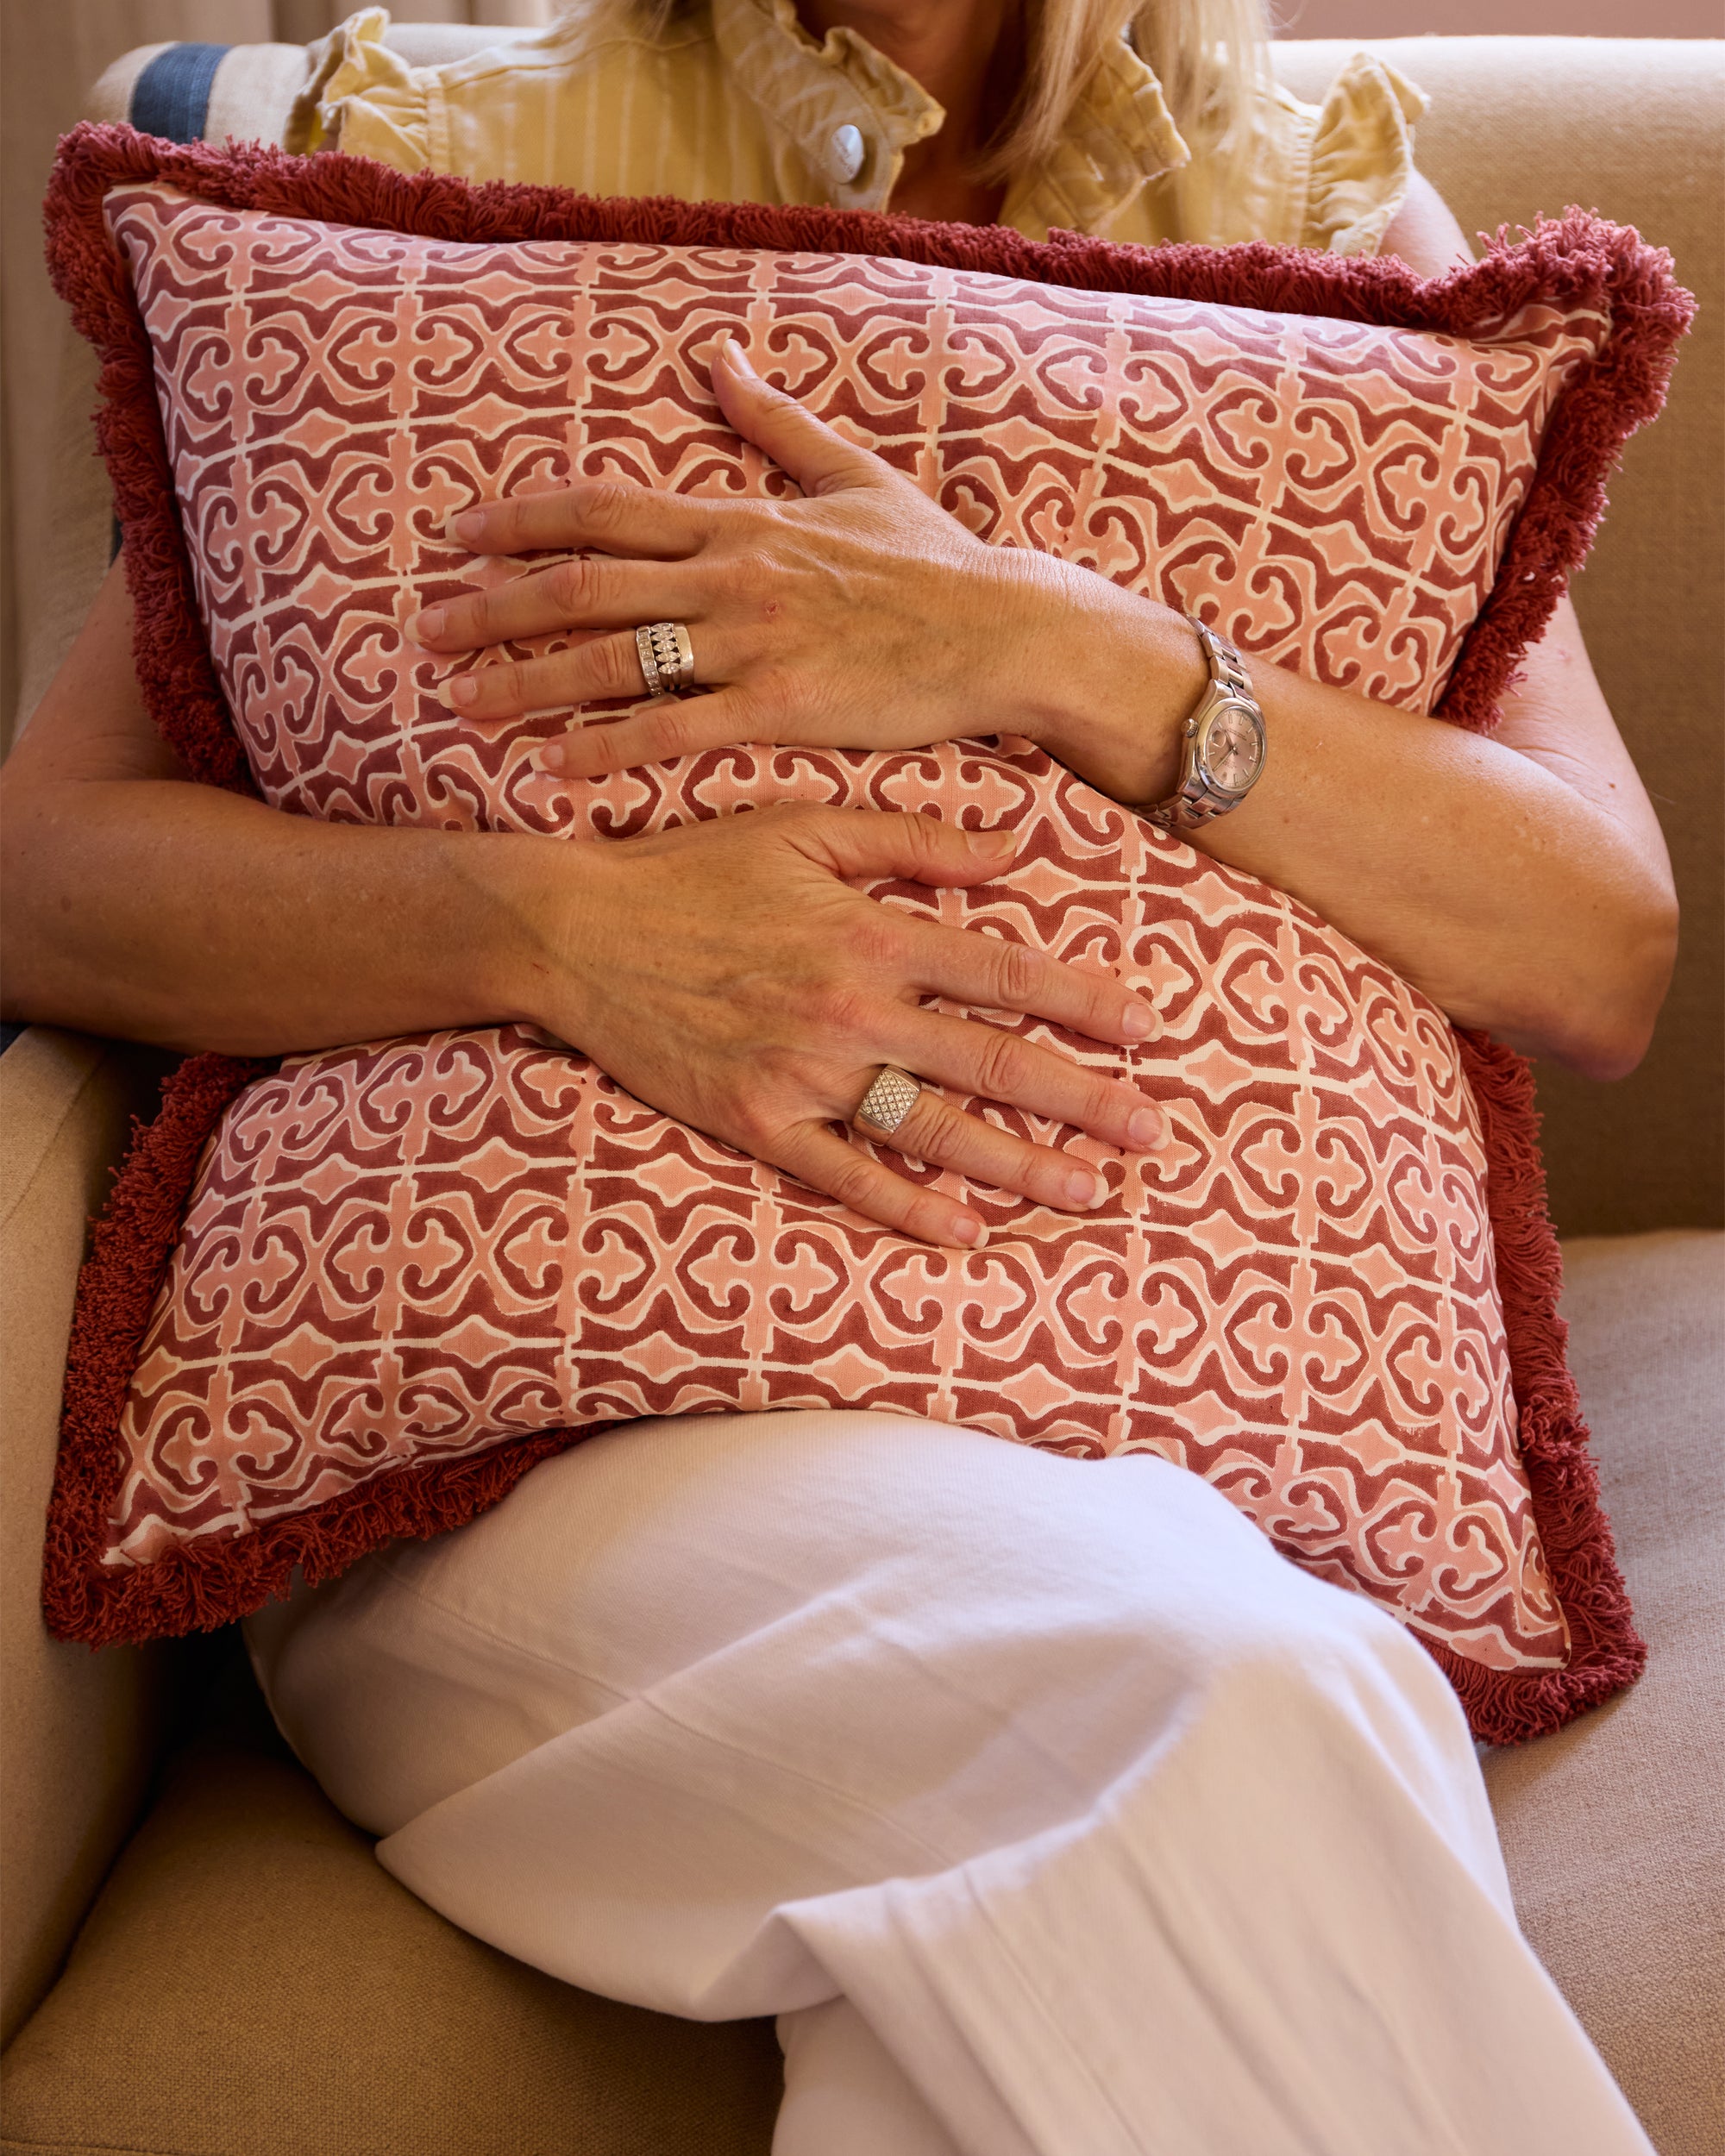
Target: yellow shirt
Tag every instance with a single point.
(736, 102)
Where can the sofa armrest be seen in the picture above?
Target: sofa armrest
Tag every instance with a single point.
(82, 1730)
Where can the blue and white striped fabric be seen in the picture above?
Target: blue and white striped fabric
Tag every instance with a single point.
(170, 97)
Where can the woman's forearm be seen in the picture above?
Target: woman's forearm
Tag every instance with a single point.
(1520, 900)
(1521, 881)
(139, 904)
(171, 912)
(728, 973)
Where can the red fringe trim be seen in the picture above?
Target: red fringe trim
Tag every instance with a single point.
(200, 1585)
(116, 1290)
(1507, 1707)
(1575, 259)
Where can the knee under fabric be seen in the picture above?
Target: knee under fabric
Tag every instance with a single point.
(1101, 1817)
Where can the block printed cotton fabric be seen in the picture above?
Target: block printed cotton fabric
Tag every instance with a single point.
(334, 1300)
(423, 1247)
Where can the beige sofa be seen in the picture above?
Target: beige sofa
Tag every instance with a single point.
(200, 1958)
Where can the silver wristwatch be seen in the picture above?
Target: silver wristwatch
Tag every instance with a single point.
(1222, 744)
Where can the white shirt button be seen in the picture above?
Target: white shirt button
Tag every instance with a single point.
(848, 151)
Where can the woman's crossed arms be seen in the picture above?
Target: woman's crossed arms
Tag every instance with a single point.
(728, 973)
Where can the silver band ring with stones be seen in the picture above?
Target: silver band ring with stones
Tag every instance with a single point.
(667, 656)
(888, 1101)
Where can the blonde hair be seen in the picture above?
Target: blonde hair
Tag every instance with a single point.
(1210, 57)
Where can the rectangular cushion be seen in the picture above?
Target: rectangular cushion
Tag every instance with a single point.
(1306, 526)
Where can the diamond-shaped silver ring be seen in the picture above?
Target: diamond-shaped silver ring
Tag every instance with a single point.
(668, 658)
(888, 1101)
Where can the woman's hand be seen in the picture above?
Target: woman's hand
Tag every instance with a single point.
(727, 974)
(860, 616)
(1521, 881)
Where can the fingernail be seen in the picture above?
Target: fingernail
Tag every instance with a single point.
(967, 1229)
(468, 526)
(427, 624)
(1144, 1128)
(999, 843)
(1084, 1189)
(1140, 1022)
(739, 359)
(552, 756)
(464, 689)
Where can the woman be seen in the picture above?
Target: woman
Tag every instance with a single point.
(1046, 1808)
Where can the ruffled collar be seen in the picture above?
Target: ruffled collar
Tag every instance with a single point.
(1120, 135)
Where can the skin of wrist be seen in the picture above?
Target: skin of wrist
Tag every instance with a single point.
(516, 902)
(1114, 680)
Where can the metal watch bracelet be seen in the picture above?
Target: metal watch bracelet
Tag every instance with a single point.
(1197, 800)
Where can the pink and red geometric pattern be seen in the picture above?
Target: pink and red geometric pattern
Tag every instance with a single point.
(404, 1262)
(1334, 495)
(431, 1246)
(408, 1251)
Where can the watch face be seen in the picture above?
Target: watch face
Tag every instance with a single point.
(1233, 748)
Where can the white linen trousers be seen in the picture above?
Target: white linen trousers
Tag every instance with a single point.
(1051, 1812)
